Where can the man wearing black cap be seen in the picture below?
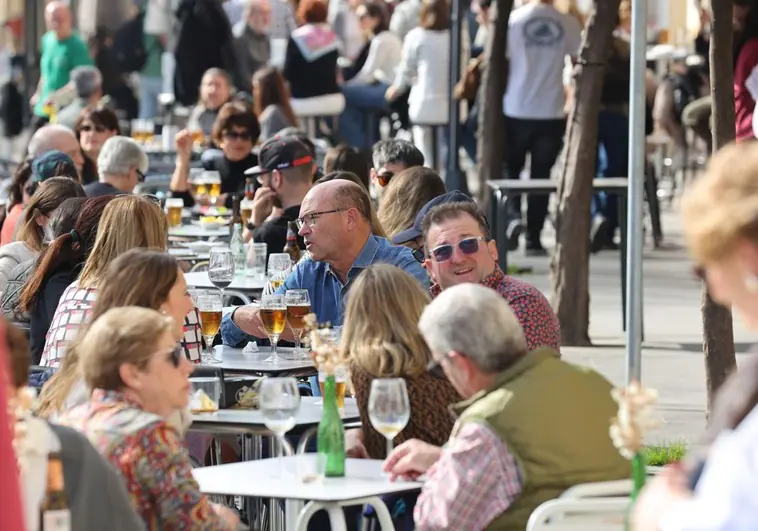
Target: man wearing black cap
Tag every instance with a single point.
(285, 173)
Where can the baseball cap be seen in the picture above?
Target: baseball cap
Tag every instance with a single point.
(43, 167)
(280, 153)
(415, 231)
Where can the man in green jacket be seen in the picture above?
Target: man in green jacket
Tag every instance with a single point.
(531, 426)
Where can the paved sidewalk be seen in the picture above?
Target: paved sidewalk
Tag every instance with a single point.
(672, 359)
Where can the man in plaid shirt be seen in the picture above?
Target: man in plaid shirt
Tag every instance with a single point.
(531, 426)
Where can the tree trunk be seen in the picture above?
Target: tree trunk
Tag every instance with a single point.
(569, 266)
(490, 137)
(718, 338)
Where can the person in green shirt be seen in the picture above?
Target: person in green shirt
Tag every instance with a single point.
(62, 51)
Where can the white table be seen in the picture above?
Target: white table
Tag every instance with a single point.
(363, 483)
(235, 360)
(243, 283)
(196, 231)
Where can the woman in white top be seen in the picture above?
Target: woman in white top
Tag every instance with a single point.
(425, 68)
(720, 213)
(364, 92)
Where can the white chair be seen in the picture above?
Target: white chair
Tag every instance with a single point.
(589, 514)
(309, 110)
(602, 489)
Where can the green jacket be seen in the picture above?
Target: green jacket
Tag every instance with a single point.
(554, 418)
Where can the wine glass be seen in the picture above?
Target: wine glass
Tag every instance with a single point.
(221, 268)
(298, 306)
(210, 307)
(279, 401)
(278, 263)
(388, 407)
(273, 314)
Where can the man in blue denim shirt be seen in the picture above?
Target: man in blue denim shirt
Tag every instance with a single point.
(335, 224)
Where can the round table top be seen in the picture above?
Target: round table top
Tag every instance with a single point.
(200, 280)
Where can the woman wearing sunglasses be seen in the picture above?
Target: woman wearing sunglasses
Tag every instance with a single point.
(94, 126)
(235, 131)
(139, 377)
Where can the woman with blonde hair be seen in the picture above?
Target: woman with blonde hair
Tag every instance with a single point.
(128, 222)
(720, 214)
(139, 376)
(405, 196)
(380, 339)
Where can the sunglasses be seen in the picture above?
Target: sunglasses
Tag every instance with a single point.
(468, 246)
(384, 178)
(175, 356)
(141, 178)
(434, 367)
(235, 135)
(89, 128)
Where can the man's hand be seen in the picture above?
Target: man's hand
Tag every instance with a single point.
(183, 143)
(229, 516)
(354, 444)
(411, 460)
(248, 319)
(263, 204)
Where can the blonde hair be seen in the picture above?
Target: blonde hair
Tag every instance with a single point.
(121, 335)
(128, 222)
(381, 335)
(721, 207)
(405, 195)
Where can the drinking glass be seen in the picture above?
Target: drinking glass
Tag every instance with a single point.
(298, 306)
(210, 308)
(213, 184)
(388, 407)
(211, 385)
(255, 265)
(279, 401)
(221, 268)
(174, 207)
(278, 264)
(197, 183)
(273, 315)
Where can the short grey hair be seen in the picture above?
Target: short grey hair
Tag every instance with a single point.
(87, 80)
(476, 322)
(46, 139)
(119, 154)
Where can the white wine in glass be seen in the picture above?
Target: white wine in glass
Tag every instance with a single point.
(388, 408)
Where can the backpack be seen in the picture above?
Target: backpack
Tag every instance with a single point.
(12, 292)
(128, 47)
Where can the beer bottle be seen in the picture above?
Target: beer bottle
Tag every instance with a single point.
(54, 511)
(236, 215)
(249, 189)
(237, 243)
(292, 248)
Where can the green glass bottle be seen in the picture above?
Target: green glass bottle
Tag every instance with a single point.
(331, 432)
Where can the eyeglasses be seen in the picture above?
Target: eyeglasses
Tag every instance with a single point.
(140, 175)
(418, 254)
(443, 253)
(434, 367)
(236, 135)
(384, 178)
(174, 355)
(310, 219)
(88, 128)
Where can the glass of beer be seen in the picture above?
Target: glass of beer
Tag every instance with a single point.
(198, 138)
(340, 376)
(174, 207)
(246, 211)
(298, 306)
(210, 307)
(273, 315)
(278, 265)
(212, 181)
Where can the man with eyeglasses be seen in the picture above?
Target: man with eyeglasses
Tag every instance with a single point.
(530, 427)
(121, 165)
(335, 223)
(459, 250)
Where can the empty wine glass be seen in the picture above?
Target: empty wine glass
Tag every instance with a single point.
(298, 306)
(221, 268)
(388, 407)
(279, 401)
(278, 264)
(273, 314)
(210, 307)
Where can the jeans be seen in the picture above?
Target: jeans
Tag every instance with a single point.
(613, 161)
(543, 140)
(424, 137)
(359, 125)
(149, 90)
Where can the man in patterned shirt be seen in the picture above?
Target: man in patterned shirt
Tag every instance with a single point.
(459, 250)
(531, 426)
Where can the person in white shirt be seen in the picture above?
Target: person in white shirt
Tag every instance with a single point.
(364, 92)
(539, 39)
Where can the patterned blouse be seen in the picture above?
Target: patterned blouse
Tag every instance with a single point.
(537, 318)
(150, 455)
(74, 310)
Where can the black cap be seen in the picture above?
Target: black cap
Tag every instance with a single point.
(279, 153)
(415, 231)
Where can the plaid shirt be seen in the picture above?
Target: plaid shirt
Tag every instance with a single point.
(475, 480)
(74, 310)
(532, 309)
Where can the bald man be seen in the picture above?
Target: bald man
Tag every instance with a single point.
(56, 137)
(62, 50)
(335, 222)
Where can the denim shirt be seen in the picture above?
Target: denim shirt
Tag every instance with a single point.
(326, 290)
